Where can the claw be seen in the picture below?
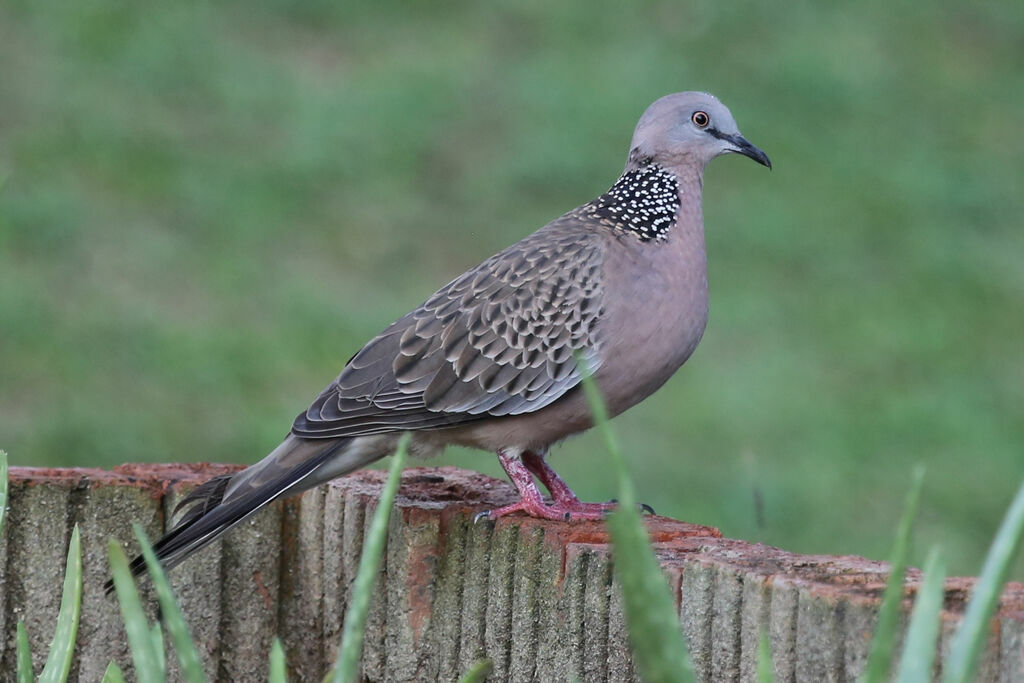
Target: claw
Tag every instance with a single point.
(644, 507)
(486, 514)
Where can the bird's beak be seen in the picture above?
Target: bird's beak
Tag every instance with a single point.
(742, 146)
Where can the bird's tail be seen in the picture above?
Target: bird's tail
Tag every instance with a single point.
(222, 502)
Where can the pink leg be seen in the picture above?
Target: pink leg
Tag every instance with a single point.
(565, 505)
(530, 500)
(561, 493)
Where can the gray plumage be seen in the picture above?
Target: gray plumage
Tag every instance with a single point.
(490, 360)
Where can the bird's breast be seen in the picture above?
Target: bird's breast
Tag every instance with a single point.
(656, 298)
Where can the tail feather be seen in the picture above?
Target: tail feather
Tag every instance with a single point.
(204, 497)
(208, 514)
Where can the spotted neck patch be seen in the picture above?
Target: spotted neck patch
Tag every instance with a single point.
(643, 202)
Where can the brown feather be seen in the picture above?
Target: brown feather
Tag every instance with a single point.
(497, 340)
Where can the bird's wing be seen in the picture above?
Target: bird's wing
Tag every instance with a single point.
(499, 340)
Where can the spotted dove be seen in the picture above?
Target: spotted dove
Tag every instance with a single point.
(492, 359)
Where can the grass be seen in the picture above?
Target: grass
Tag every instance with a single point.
(884, 640)
(3, 486)
(24, 654)
(171, 616)
(970, 638)
(478, 672)
(916, 664)
(113, 674)
(278, 663)
(655, 637)
(209, 207)
(145, 655)
(350, 651)
(62, 648)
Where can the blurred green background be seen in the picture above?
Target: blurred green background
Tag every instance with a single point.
(209, 207)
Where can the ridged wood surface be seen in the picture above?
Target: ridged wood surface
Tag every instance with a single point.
(538, 598)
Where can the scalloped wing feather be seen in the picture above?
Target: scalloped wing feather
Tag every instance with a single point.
(498, 340)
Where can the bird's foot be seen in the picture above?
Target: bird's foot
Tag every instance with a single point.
(643, 507)
(564, 506)
(561, 510)
(576, 506)
(562, 496)
(543, 510)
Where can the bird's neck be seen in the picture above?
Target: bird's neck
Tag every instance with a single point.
(645, 201)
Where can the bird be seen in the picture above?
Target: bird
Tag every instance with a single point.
(494, 359)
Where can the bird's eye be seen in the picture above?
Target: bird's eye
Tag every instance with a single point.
(700, 119)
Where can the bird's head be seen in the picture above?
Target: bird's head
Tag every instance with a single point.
(689, 129)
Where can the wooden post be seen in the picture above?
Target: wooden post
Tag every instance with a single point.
(537, 598)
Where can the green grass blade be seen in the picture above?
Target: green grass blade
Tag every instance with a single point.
(24, 655)
(147, 664)
(191, 667)
(600, 413)
(62, 649)
(880, 658)
(974, 629)
(654, 633)
(923, 633)
(351, 648)
(113, 674)
(479, 672)
(278, 665)
(765, 666)
(156, 636)
(3, 487)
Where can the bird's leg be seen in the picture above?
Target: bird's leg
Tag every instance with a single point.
(563, 496)
(560, 491)
(530, 501)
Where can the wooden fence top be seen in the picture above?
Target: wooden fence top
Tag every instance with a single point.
(536, 597)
